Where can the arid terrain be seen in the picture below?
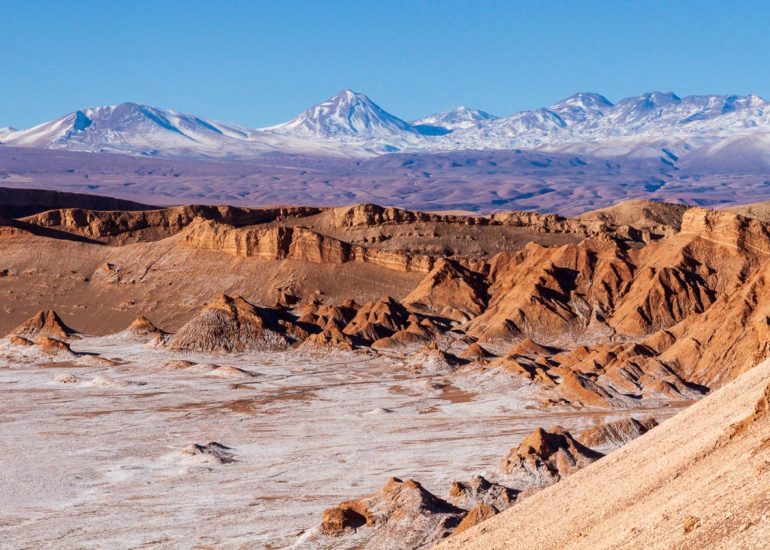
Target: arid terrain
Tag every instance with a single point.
(372, 377)
(484, 181)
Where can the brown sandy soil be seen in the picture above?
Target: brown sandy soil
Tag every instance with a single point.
(699, 480)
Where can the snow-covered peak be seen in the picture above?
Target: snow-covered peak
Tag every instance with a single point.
(346, 114)
(583, 100)
(461, 117)
(581, 107)
(644, 108)
(128, 128)
(665, 113)
(722, 104)
(5, 132)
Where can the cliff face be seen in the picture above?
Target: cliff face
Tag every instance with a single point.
(745, 235)
(297, 243)
(372, 214)
(549, 293)
(122, 227)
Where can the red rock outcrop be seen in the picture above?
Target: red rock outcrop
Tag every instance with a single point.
(327, 316)
(401, 514)
(549, 293)
(141, 326)
(297, 243)
(52, 346)
(475, 515)
(328, 339)
(660, 217)
(617, 433)
(378, 319)
(20, 341)
(45, 323)
(228, 325)
(367, 215)
(479, 490)
(122, 227)
(545, 457)
(451, 291)
(475, 352)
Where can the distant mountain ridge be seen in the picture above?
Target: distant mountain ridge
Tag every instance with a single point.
(716, 129)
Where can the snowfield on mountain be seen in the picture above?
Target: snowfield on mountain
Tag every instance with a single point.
(664, 125)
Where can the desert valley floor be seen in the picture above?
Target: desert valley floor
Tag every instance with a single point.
(369, 377)
(305, 433)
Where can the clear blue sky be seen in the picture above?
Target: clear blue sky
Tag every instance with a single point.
(259, 62)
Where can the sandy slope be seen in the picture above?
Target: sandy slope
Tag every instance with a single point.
(642, 495)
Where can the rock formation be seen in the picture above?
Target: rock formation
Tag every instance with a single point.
(144, 328)
(19, 341)
(541, 459)
(296, 243)
(641, 214)
(479, 490)
(123, 227)
(230, 325)
(433, 360)
(401, 514)
(210, 452)
(451, 291)
(52, 346)
(44, 323)
(475, 515)
(328, 339)
(545, 457)
(617, 433)
(378, 319)
(475, 352)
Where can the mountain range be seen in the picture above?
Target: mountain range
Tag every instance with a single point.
(714, 131)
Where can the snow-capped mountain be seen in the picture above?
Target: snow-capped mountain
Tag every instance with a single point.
(720, 129)
(640, 126)
(581, 108)
(352, 119)
(134, 129)
(459, 118)
(345, 115)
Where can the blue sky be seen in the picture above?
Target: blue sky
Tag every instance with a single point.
(257, 62)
